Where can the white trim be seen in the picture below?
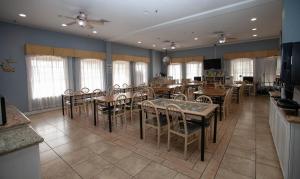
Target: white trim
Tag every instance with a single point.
(41, 111)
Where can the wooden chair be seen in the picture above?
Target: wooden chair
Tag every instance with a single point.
(67, 102)
(134, 107)
(120, 109)
(180, 97)
(226, 103)
(152, 119)
(151, 94)
(178, 125)
(190, 93)
(79, 102)
(204, 99)
(84, 90)
(127, 87)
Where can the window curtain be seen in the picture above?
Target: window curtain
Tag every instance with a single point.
(265, 70)
(47, 78)
(175, 71)
(193, 69)
(92, 74)
(278, 65)
(141, 73)
(121, 72)
(241, 67)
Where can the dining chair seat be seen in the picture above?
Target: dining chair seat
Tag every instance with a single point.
(191, 127)
(162, 119)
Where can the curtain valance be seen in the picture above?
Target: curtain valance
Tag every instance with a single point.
(122, 57)
(187, 59)
(251, 54)
(33, 49)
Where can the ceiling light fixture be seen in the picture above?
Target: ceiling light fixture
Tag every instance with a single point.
(64, 25)
(94, 32)
(254, 29)
(153, 45)
(173, 47)
(23, 15)
(164, 48)
(254, 35)
(222, 39)
(196, 38)
(139, 42)
(253, 19)
(81, 23)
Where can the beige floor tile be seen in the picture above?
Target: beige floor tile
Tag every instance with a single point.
(241, 152)
(238, 165)
(115, 154)
(92, 167)
(78, 156)
(43, 147)
(112, 173)
(100, 147)
(181, 176)
(156, 171)
(226, 174)
(57, 169)
(48, 156)
(133, 164)
(267, 172)
(58, 141)
(67, 148)
(150, 156)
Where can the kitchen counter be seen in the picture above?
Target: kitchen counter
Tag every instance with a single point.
(288, 114)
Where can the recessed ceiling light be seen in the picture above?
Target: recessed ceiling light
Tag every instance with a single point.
(196, 38)
(253, 19)
(64, 25)
(22, 15)
(254, 35)
(173, 47)
(139, 42)
(153, 45)
(164, 48)
(95, 32)
(254, 29)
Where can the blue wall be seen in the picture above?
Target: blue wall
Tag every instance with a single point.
(291, 21)
(12, 40)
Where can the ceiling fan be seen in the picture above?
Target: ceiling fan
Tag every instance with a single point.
(82, 20)
(170, 44)
(223, 38)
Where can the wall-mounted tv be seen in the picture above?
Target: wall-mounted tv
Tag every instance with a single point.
(212, 64)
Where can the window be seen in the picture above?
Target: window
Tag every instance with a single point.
(174, 70)
(193, 69)
(47, 80)
(241, 67)
(92, 74)
(121, 72)
(141, 73)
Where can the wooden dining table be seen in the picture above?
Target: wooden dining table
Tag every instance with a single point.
(193, 110)
(108, 102)
(217, 93)
(166, 89)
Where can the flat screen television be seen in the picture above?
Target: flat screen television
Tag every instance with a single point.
(212, 64)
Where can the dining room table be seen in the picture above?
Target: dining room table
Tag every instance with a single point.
(217, 93)
(196, 112)
(108, 101)
(166, 89)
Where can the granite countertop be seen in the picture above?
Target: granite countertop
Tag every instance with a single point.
(16, 134)
(288, 114)
(14, 117)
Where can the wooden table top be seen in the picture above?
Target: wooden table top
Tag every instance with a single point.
(193, 84)
(212, 92)
(114, 97)
(188, 107)
(77, 94)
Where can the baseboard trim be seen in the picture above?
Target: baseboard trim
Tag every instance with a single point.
(41, 111)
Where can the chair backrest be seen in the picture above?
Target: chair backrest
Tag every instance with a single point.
(204, 99)
(190, 93)
(180, 97)
(150, 112)
(84, 90)
(151, 94)
(177, 90)
(219, 86)
(125, 85)
(116, 86)
(98, 92)
(136, 98)
(115, 91)
(176, 119)
(68, 92)
(120, 103)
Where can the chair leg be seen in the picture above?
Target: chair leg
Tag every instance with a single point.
(185, 148)
(158, 137)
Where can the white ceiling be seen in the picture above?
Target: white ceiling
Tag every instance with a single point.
(136, 20)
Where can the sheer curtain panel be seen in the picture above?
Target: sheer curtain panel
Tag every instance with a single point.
(241, 67)
(47, 78)
(121, 72)
(92, 74)
(175, 71)
(193, 69)
(141, 73)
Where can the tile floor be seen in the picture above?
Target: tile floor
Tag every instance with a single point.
(76, 149)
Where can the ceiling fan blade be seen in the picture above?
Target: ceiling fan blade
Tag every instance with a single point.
(99, 22)
(71, 23)
(67, 17)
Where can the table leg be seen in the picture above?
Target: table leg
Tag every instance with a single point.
(109, 117)
(71, 106)
(220, 103)
(169, 94)
(141, 124)
(202, 138)
(63, 105)
(215, 126)
(95, 112)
